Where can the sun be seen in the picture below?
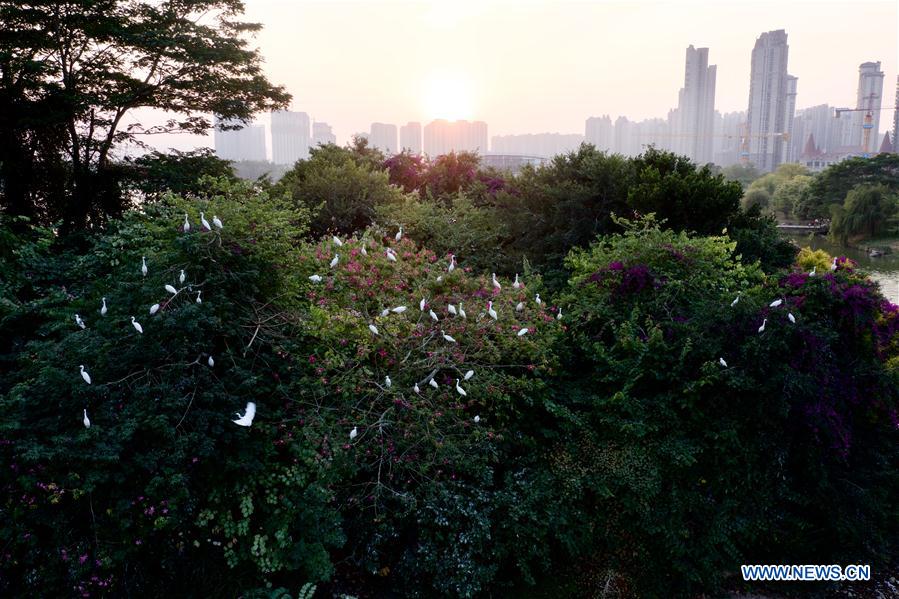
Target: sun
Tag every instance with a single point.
(447, 96)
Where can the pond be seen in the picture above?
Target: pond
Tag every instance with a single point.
(884, 270)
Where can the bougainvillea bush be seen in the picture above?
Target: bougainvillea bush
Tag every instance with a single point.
(724, 417)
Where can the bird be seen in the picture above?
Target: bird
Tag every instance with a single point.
(217, 222)
(415, 388)
(171, 289)
(440, 279)
(86, 420)
(79, 322)
(775, 303)
(452, 264)
(559, 315)
(491, 311)
(387, 381)
(336, 240)
(186, 226)
(468, 375)
(154, 309)
(385, 312)
(85, 375)
(205, 222)
(363, 250)
(390, 255)
(373, 329)
(496, 283)
(103, 309)
(137, 326)
(143, 265)
(722, 362)
(791, 318)
(516, 284)
(353, 433)
(182, 277)
(477, 419)
(734, 303)
(447, 337)
(421, 305)
(452, 309)
(814, 271)
(519, 306)
(199, 300)
(399, 234)
(762, 328)
(433, 315)
(833, 265)
(399, 309)
(433, 383)
(335, 260)
(460, 389)
(462, 311)
(315, 278)
(522, 332)
(211, 362)
(538, 300)
(247, 418)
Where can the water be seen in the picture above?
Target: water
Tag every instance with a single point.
(884, 270)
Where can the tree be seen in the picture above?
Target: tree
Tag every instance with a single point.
(832, 185)
(744, 174)
(791, 194)
(72, 71)
(865, 213)
(179, 172)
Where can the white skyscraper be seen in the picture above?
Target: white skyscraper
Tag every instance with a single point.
(598, 131)
(410, 137)
(694, 118)
(789, 112)
(383, 137)
(869, 97)
(322, 134)
(247, 143)
(769, 87)
(290, 136)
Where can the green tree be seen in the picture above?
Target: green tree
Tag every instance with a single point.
(832, 185)
(154, 174)
(791, 194)
(866, 212)
(73, 71)
(744, 174)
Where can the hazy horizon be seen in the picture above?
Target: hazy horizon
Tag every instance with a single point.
(532, 66)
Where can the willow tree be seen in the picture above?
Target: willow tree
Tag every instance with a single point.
(72, 73)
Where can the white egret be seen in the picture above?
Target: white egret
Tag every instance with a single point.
(460, 389)
(103, 309)
(143, 265)
(468, 375)
(199, 300)
(762, 328)
(416, 389)
(171, 289)
(516, 284)
(421, 305)
(373, 329)
(363, 250)
(335, 260)
(433, 315)
(440, 279)
(399, 309)
(462, 311)
(433, 383)
(385, 312)
(79, 322)
(496, 283)
(336, 240)
(315, 278)
(205, 222)
(182, 277)
(86, 420)
(353, 433)
(137, 326)
(519, 306)
(722, 362)
(387, 382)
(217, 222)
(491, 311)
(452, 264)
(399, 234)
(814, 271)
(791, 318)
(390, 255)
(186, 226)
(538, 300)
(775, 303)
(833, 265)
(211, 362)
(734, 303)
(477, 419)
(447, 337)
(154, 309)
(559, 315)
(522, 332)
(85, 375)
(452, 309)
(247, 418)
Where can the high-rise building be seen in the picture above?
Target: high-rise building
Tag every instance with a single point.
(896, 120)
(290, 136)
(728, 132)
(383, 137)
(442, 137)
(322, 134)
(769, 89)
(817, 121)
(542, 145)
(868, 97)
(410, 137)
(598, 131)
(693, 122)
(789, 112)
(246, 143)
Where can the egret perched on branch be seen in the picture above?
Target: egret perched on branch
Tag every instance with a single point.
(335, 260)
(353, 433)
(496, 283)
(538, 300)
(385, 312)
(211, 362)
(440, 279)
(462, 311)
(336, 240)
(468, 375)
(433, 315)
(734, 303)
(447, 337)
(154, 309)
(416, 389)
(79, 322)
(452, 309)
(390, 255)
(85, 375)
(814, 271)
(182, 277)
(775, 303)
(373, 329)
(186, 226)
(491, 311)
(477, 419)
(247, 418)
(217, 222)
(833, 265)
(205, 222)
(86, 420)
(722, 362)
(421, 305)
(171, 289)
(199, 300)
(460, 389)
(137, 326)
(387, 381)
(433, 382)
(363, 250)
(559, 315)
(516, 284)
(103, 309)
(519, 306)
(399, 309)
(791, 318)
(452, 264)
(315, 279)
(143, 265)
(522, 332)
(399, 234)
(762, 328)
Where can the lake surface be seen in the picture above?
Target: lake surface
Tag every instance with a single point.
(884, 270)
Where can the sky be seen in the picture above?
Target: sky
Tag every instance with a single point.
(529, 66)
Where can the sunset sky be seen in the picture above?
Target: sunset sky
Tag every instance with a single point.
(533, 66)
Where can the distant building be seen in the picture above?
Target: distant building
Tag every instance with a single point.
(816, 160)
(728, 136)
(410, 137)
(896, 120)
(789, 112)
(599, 132)
(769, 89)
(544, 145)
(442, 137)
(886, 147)
(692, 124)
(247, 143)
(512, 163)
(814, 120)
(322, 134)
(383, 137)
(869, 97)
(290, 136)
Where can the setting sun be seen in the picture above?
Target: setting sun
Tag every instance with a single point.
(447, 96)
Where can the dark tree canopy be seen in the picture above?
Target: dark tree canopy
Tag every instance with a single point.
(70, 72)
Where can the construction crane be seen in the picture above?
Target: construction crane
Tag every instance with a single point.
(867, 121)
